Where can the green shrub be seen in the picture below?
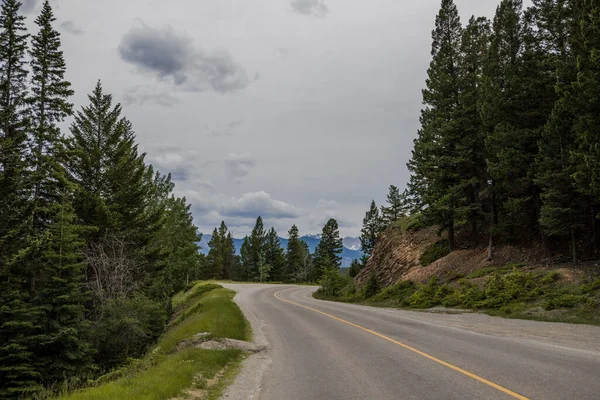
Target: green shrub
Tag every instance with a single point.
(126, 328)
(434, 252)
(371, 288)
(400, 291)
(425, 296)
(552, 277)
(564, 300)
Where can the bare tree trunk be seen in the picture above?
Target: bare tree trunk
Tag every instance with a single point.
(492, 222)
(574, 246)
(594, 230)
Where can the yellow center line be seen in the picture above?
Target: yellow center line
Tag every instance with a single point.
(419, 352)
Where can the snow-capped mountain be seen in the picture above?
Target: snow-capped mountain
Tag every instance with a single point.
(352, 243)
(350, 252)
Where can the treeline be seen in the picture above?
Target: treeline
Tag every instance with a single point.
(262, 259)
(92, 241)
(508, 149)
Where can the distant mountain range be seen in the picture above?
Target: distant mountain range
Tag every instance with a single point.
(352, 250)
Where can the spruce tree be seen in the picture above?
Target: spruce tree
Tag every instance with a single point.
(214, 260)
(582, 99)
(517, 101)
(245, 261)
(329, 250)
(294, 255)
(434, 179)
(256, 247)
(472, 163)
(49, 105)
(396, 206)
(62, 348)
(19, 370)
(275, 256)
(372, 227)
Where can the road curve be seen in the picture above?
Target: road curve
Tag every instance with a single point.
(325, 350)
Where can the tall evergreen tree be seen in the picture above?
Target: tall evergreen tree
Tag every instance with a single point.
(396, 207)
(18, 367)
(214, 260)
(294, 255)
(518, 99)
(256, 258)
(275, 256)
(329, 250)
(372, 227)
(49, 105)
(583, 100)
(471, 164)
(434, 179)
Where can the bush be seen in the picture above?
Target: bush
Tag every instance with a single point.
(332, 284)
(400, 291)
(425, 296)
(565, 300)
(371, 288)
(126, 328)
(434, 252)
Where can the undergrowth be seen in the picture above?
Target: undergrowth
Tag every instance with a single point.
(510, 291)
(167, 371)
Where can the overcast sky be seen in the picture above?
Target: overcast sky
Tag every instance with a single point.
(296, 110)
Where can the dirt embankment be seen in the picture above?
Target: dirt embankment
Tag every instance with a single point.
(397, 257)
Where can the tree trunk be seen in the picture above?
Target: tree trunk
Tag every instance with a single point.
(573, 246)
(492, 224)
(451, 238)
(594, 230)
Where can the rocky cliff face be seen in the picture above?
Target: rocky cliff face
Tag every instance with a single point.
(397, 256)
(396, 253)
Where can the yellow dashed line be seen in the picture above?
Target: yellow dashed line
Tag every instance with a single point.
(419, 352)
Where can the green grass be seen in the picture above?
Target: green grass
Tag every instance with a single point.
(220, 316)
(434, 252)
(164, 372)
(166, 380)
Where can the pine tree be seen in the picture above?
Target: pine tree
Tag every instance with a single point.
(274, 256)
(471, 145)
(19, 370)
(396, 208)
(49, 105)
(583, 101)
(518, 99)
(229, 257)
(245, 261)
(294, 255)
(62, 349)
(214, 261)
(355, 268)
(434, 179)
(329, 250)
(562, 207)
(372, 227)
(256, 248)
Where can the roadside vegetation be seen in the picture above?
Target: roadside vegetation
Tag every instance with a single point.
(513, 291)
(170, 370)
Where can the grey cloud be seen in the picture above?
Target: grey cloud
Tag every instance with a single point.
(141, 95)
(239, 165)
(72, 28)
(310, 7)
(327, 209)
(223, 132)
(29, 6)
(180, 163)
(243, 209)
(173, 58)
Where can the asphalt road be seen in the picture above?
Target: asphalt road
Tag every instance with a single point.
(326, 350)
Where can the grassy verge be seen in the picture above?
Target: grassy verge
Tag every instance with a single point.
(167, 372)
(512, 291)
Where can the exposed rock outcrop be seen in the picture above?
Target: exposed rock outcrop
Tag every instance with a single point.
(397, 251)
